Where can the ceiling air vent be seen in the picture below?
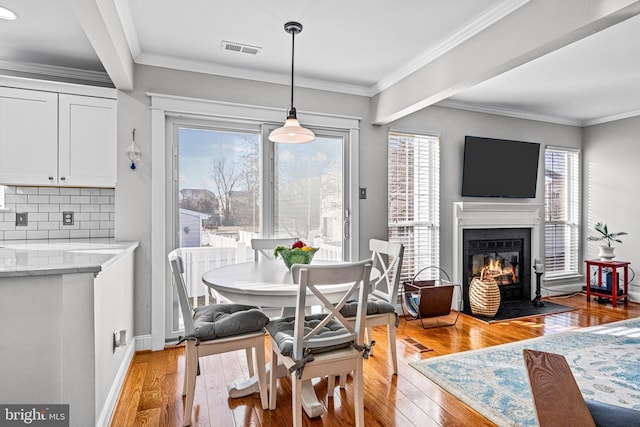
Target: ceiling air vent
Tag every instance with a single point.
(239, 47)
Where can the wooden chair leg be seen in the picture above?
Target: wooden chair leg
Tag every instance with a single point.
(343, 380)
(249, 352)
(296, 400)
(191, 368)
(391, 333)
(369, 338)
(358, 395)
(273, 379)
(262, 376)
(331, 385)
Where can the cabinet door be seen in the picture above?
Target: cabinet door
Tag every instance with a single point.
(28, 137)
(87, 141)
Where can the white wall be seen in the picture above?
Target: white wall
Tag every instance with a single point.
(453, 125)
(133, 195)
(610, 186)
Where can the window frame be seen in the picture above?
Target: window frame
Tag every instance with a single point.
(572, 204)
(429, 213)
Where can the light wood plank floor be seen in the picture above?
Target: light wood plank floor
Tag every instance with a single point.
(151, 395)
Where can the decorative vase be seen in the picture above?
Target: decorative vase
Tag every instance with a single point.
(606, 252)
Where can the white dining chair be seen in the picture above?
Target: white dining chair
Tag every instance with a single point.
(387, 258)
(325, 344)
(216, 329)
(264, 247)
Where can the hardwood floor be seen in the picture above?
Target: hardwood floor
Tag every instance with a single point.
(151, 395)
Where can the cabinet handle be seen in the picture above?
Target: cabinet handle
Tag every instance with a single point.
(50, 178)
(62, 178)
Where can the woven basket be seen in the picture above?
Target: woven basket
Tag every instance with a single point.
(484, 296)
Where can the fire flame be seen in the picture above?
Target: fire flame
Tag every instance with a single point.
(495, 269)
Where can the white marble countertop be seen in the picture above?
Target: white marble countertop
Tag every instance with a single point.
(64, 256)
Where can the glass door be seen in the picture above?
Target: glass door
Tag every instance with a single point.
(231, 184)
(309, 199)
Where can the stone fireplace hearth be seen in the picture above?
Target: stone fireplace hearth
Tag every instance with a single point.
(508, 232)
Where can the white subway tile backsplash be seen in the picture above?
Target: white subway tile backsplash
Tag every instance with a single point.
(26, 207)
(38, 216)
(52, 207)
(26, 190)
(93, 208)
(37, 234)
(49, 190)
(69, 191)
(81, 199)
(59, 199)
(37, 198)
(89, 208)
(48, 225)
(71, 208)
(99, 233)
(98, 200)
(15, 235)
(58, 234)
(79, 234)
(89, 191)
(16, 198)
(99, 216)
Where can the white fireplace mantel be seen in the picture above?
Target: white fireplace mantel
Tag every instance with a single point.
(494, 215)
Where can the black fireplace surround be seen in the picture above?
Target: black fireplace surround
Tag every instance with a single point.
(508, 247)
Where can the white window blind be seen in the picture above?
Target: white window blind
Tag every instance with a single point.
(562, 211)
(414, 199)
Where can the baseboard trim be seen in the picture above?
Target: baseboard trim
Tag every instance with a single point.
(143, 342)
(104, 420)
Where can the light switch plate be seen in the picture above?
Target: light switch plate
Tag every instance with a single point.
(22, 219)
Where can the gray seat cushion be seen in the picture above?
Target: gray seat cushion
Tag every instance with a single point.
(281, 330)
(606, 415)
(225, 320)
(350, 309)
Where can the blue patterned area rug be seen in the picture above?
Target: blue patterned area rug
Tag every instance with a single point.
(605, 361)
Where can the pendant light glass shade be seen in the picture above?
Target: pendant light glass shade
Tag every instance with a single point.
(292, 132)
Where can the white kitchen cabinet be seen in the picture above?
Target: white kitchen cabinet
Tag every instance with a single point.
(51, 139)
(28, 136)
(87, 141)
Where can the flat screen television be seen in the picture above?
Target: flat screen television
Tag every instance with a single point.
(499, 168)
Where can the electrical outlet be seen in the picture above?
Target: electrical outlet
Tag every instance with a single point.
(67, 218)
(22, 219)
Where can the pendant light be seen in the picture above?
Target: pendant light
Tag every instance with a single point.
(292, 132)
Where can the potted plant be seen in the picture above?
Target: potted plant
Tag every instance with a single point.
(606, 252)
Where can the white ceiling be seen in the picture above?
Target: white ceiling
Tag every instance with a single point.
(366, 47)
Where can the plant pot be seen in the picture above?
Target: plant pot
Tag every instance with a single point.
(606, 252)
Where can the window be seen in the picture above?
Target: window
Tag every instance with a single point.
(414, 199)
(562, 211)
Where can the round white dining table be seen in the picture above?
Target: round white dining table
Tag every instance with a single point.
(266, 284)
(269, 284)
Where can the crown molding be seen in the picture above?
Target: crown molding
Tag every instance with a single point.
(519, 114)
(611, 118)
(100, 77)
(242, 73)
(486, 19)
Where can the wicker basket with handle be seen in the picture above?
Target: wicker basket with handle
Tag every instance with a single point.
(484, 296)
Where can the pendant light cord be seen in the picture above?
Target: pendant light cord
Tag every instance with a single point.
(293, 50)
